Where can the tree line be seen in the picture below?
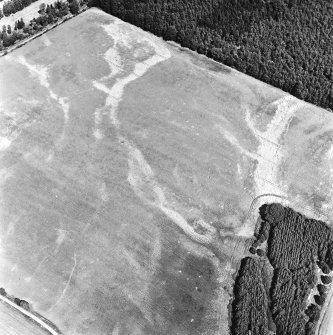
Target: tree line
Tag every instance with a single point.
(47, 15)
(13, 6)
(285, 43)
(22, 303)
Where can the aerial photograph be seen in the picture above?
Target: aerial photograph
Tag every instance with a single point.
(166, 167)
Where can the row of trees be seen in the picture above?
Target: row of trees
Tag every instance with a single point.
(286, 43)
(47, 15)
(9, 37)
(22, 303)
(13, 6)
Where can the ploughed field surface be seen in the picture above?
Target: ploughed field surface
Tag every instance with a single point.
(14, 323)
(132, 172)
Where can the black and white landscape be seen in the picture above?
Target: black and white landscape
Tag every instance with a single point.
(147, 189)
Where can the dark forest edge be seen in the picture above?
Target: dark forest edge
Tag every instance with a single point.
(285, 43)
(273, 284)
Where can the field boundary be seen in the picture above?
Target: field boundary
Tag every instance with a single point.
(31, 316)
(48, 28)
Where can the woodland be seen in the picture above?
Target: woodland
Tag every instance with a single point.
(48, 14)
(285, 43)
(295, 247)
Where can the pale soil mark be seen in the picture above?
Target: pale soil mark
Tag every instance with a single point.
(268, 154)
(4, 143)
(115, 330)
(28, 279)
(141, 176)
(325, 324)
(41, 74)
(269, 142)
(66, 286)
(46, 40)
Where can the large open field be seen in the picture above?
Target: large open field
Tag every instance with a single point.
(131, 175)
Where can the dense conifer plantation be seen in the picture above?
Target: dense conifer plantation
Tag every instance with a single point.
(286, 43)
(296, 246)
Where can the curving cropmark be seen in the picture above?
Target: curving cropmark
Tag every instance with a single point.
(140, 176)
(41, 74)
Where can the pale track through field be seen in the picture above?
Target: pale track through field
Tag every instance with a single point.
(269, 141)
(269, 157)
(268, 154)
(40, 73)
(33, 317)
(140, 176)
